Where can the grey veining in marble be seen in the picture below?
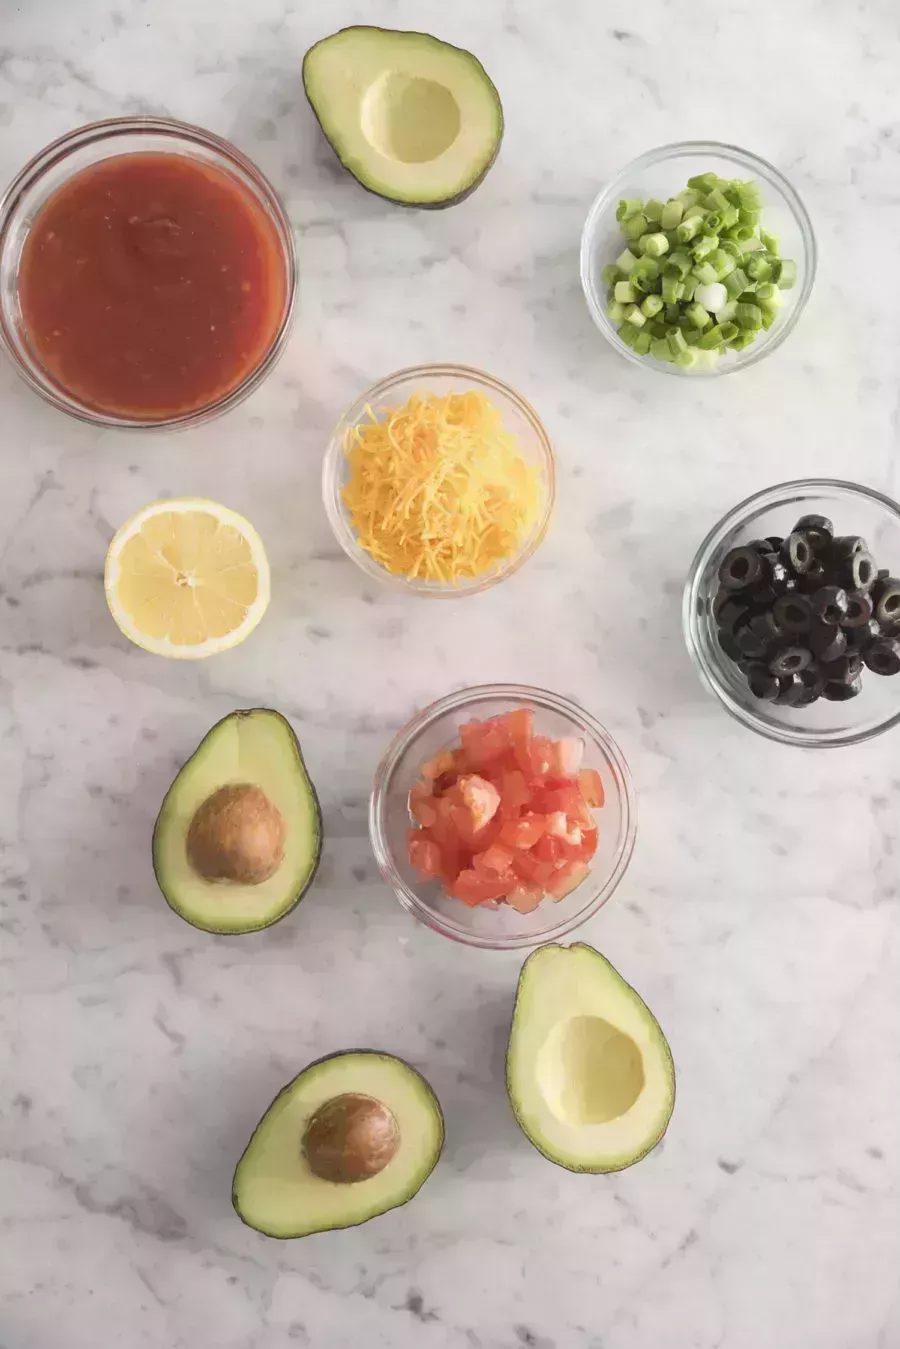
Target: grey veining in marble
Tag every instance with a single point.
(760, 915)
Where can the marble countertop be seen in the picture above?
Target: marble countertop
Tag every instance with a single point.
(759, 918)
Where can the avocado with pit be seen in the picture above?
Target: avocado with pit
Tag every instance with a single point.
(239, 835)
(354, 1135)
(589, 1072)
(413, 118)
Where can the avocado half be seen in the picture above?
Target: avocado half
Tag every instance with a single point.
(414, 119)
(352, 1136)
(589, 1072)
(239, 835)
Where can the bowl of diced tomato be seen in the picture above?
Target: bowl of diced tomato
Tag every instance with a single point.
(503, 816)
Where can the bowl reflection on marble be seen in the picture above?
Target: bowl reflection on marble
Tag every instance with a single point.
(853, 510)
(664, 172)
(497, 926)
(519, 418)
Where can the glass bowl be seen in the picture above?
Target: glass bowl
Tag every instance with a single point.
(664, 172)
(853, 510)
(519, 418)
(497, 926)
(78, 150)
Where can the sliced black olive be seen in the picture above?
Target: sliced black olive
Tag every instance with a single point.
(793, 613)
(761, 545)
(729, 645)
(861, 638)
(840, 693)
(765, 627)
(818, 527)
(798, 552)
(830, 605)
(813, 683)
(859, 609)
(886, 597)
(778, 578)
(826, 643)
(847, 545)
(791, 690)
(883, 656)
(815, 578)
(775, 542)
(731, 614)
(750, 644)
(860, 572)
(761, 682)
(740, 568)
(790, 660)
(843, 670)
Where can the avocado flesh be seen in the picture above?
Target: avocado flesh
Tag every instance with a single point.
(589, 1072)
(259, 748)
(413, 118)
(274, 1189)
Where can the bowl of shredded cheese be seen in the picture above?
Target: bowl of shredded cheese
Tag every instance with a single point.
(439, 479)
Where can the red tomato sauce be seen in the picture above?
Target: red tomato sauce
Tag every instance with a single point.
(151, 285)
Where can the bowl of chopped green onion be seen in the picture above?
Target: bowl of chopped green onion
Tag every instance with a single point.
(698, 258)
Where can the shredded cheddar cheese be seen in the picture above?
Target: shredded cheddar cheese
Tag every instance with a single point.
(438, 490)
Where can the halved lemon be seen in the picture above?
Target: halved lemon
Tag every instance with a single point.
(187, 578)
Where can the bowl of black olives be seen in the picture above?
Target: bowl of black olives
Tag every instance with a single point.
(792, 612)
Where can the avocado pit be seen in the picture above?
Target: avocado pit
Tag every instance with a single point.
(237, 836)
(350, 1138)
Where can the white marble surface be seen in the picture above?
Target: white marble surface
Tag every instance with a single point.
(759, 918)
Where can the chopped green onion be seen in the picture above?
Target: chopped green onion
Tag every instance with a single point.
(634, 315)
(688, 230)
(671, 214)
(758, 267)
(723, 263)
(711, 338)
(628, 207)
(687, 196)
(748, 316)
(736, 282)
(625, 292)
(687, 358)
(740, 233)
(697, 315)
(729, 331)
(670, 289)
(703, 182)
(742, 340)
(727, 312)
(625, 261)
(634, 226)
(653, 211)
(769, 317)
(729, 216)
(688, 286)
(787, 274)
(644, 274)
(628, 334)
(692, 336)
(769, 242)
(651, 305)
(677, 264)
(654, 245)
(660, 349)
(707, 243)
(672, 313)
(642, 343)
(713, 223)
(657, 327)
(676, 342)
(616, 311)
(611, 274)
(732, 247)
(705, 273)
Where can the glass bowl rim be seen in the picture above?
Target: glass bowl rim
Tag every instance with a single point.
(780, 494)
(90, 133)
(332, 459)
(533, 696)
(675, 150)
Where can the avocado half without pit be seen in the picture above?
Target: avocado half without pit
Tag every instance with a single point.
(239, 835)
(354, 1135)
(413, 118)
(589, 1072)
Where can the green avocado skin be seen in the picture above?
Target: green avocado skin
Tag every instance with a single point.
(338, 1054)
(230, 932)
(585, 1170)
(397, 201)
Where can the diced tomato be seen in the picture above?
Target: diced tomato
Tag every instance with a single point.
(474, 887)
(550, 849)
(425, 855)
(532, 869)
(422, 806)
(566, 878)
(523, 833)
(432, 768)
(567, 799)
(483, 741)
(496, 858)
(514, 793)
(567, 756)
(480, 798)
(591, 784)
(525, 898)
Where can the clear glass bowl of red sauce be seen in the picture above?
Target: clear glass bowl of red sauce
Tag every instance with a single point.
(147, 274)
